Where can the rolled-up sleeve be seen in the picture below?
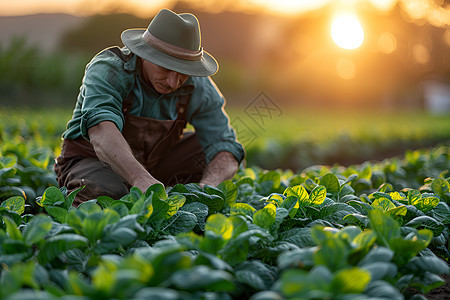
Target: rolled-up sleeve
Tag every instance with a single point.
(104, 87)
(212, 123)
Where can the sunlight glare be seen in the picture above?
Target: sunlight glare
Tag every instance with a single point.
(345, 68)
(387, 43)
(347, 32)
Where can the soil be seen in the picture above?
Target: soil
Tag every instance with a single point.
(440, 293)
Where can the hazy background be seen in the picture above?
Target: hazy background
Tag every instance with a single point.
(283, 48)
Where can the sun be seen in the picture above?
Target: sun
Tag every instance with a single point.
(347, 32)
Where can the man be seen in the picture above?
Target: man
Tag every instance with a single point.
(127, 126)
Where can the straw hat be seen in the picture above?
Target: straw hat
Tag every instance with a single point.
(172, 41)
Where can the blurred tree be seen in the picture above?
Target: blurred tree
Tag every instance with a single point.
(99, 32)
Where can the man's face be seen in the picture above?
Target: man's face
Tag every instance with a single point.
(163, 80)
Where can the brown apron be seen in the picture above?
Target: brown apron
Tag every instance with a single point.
(159, 145)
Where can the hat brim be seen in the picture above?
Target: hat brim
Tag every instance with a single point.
(206, 66)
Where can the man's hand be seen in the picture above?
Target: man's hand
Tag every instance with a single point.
(222, 167)
(112, 149)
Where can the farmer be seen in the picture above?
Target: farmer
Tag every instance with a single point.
(134, 103)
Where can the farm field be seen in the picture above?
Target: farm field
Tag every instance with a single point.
(292, 224)
(288, 139)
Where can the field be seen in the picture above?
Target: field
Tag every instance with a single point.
(322, 210)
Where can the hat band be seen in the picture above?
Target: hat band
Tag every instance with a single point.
(170, 49)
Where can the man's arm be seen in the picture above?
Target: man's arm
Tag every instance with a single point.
(222, 167)
(112, 149)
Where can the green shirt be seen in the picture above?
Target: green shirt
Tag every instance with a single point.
(109, 79)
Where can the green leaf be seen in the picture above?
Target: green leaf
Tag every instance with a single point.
(200, 210)
(440, 187)
(405, 249)
(349, 281)
(94, 223)
(158, 191)
(379, 289)
(365, 172)
(202, 278)
(330, 182)
(239, 225)
(302, 257)
(16, 204)
(71, 197)
(318, 195)
(265, 217)
(427, 282)
(214, 202)
(159, 210)
(266, 295)
(381, 270)
(11, 229)
(356, 219)
(384, 226)
(211, 190)
(114, 239)
(298, 191)
(51, 196)
(181, 222)
(441, 213)
(58, 244)
(336, 212)
(58, 213)
(431, 264)
(427, 222)
(160, 293)
(273, 176)
(298, 284)
(291, 205)
(105, 201)
(300, 237)
(230, 190)
(236, 249)
(36, 229)
(332, 253)
(360, 206)
(246, 180)
(255, 274)
(376, 255)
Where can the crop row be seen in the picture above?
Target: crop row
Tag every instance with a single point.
(372, 231)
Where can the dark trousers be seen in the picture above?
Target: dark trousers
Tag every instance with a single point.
(183, 164)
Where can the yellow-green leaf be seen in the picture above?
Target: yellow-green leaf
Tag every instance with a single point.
(16, 204)
(220, 225)
(175, 203)
(298, 191)
(350, 281)
(242, 209)
(265, 217)
(318, 195)
(383, 204)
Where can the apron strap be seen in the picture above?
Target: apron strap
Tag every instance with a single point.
(182, 105)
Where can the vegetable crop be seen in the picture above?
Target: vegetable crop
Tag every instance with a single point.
(371, 231)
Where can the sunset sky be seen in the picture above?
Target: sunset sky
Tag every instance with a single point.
(434, 11)
(86, 7)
